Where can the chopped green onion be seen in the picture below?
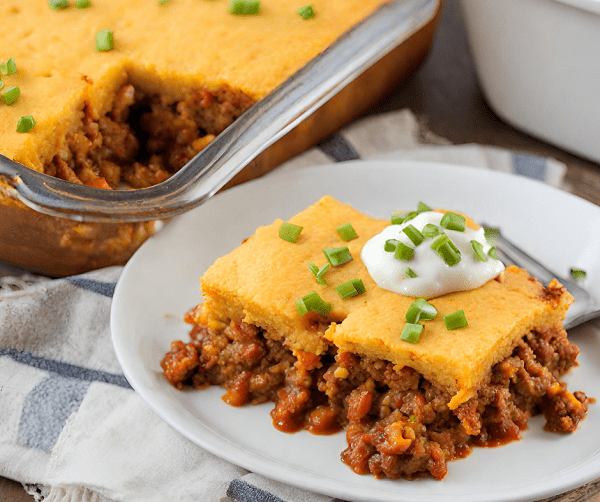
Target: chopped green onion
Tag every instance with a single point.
(359, 285)
(337, 256)
(447, 250)
(397, 218)
(410, 216)
(410, 272)
(402, 216)
(58, 4)
(25, 123)
(390, 245)
(347, 232)
(163, 2)
(413, 234)
(412, 418)
(313, 268)
(430, 230)
(423, 208)
(478, 249)
(419, 310)
(318, 272)
(490, 233)
(456, 320)
(411, 332)
(453, 246)
(289, 232)
(1, 83)
(11, 94)
(84, 4)
(350, 288)
(244, 7)
(578, 273)
(492, 253)
(306, 12)
(8, 67)
(403, 252)
(312, 302)
(105, 41)
(453, 221)
(346, 290)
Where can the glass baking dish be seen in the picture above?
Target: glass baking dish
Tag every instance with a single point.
(60, 228)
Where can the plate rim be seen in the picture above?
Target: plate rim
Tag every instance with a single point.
(271, 178)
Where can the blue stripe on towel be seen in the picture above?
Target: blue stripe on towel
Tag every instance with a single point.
(532, 166)
(245, 492)
(65, 369)
(46, 409)
(336, 147)
(100, 287)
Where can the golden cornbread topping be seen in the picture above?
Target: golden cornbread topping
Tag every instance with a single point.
(445, 254)
(237, 287)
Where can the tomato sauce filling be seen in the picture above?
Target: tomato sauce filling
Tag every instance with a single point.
(397, 423)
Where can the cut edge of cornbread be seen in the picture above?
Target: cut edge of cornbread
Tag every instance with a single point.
(260, 281)
(50, 137)
(462, 370)
(226, 307)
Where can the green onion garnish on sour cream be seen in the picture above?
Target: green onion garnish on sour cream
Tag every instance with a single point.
(446, 262)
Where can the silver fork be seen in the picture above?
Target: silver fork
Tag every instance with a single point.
(583, 309)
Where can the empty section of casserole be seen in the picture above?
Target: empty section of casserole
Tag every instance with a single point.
(178, 74)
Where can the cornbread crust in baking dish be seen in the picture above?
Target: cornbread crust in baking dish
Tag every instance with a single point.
(179, 73)
(188, 68)
(408, 408)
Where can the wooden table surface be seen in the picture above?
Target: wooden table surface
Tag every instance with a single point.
(445, 95)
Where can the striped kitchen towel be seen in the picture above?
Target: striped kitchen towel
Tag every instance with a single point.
(71, 427)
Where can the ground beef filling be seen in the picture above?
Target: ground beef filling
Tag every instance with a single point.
(398, 424)
(145, 138)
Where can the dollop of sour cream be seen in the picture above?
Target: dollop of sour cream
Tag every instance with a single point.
(434, 277)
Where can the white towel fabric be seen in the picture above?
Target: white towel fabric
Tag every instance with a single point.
(71, 427)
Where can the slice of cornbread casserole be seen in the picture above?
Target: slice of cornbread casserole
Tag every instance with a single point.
(329, 347)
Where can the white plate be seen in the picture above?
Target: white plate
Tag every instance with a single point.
(161, 282)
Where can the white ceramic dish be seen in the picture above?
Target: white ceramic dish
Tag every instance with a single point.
(161, 282)
(539, 66)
